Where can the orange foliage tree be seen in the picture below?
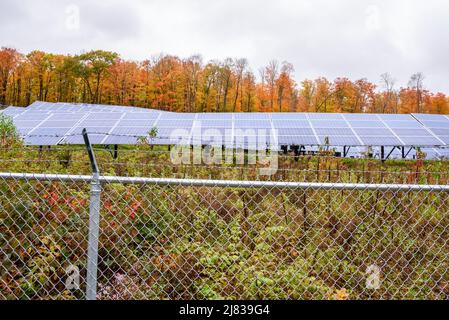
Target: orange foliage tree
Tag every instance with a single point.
(190, 85)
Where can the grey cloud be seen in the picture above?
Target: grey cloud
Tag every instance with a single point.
(320, 37)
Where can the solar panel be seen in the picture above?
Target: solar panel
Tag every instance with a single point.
(58, 123)
(140, 116)
(178, 116)
(334, 131)
(429, 117)
(339, 140)
(135, 123)
(298, 140)
(67, 116)
(403, 124)
(329, 124)
(436, 124)
(380, 141)
(206, 132)
(78, 139)
(252, 124)
(12, 111)
(104, 116)
(35, 116)
(60, 132)
(291, 124)
(121, 125)
(366, 124)
(174, 123)
(360, 117)
(295, 132)
(325, 116)
(395, 116)
(132, 131)
(288, 116)
(251, 116)
(213, 123)
(26, 123)
(440, 131)
(214, 116)
(421, 141)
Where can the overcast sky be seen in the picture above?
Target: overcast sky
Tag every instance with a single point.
(331, 38)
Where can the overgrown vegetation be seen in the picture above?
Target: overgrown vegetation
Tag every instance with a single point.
(173, 242)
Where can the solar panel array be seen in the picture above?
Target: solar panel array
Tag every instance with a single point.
(44, 123)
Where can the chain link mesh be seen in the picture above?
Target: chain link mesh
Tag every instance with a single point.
(171, 240)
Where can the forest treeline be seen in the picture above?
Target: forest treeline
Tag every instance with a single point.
(191, 85)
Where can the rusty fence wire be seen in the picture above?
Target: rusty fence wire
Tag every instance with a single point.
(105, 237)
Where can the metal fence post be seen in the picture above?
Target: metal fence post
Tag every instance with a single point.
(94, 224)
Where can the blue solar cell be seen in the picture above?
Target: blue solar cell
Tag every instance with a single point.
(252, 124)
(78, 139)
(329, 124)
(251, 140)
(12, 111)
(366, 124)
(213, 123)
(298, 140)
(373, 132)
(360, 117)
(24, 131)
(140, 116)
(67, 116)
(325, 116)
(380, 141)
(174, 123)
(26, 123)
(288, 116)
(251, 116)
(58, 124)
(91, 129)
(97, 123)
(135, 123)
(34, 116)
(214, 116)
(420, 141)
(205, 132)
(445, 139)
(436, 124)
(291, 124)
(131, 131)
(411, 132)
(440, 131)
(49, 131)
(395, 116)
(432, 117)
(104, 116)
(177, 116)
(340, 140)
(120, 140)
(334, 132)
(295, 132)
(403, 124)
(252, 131)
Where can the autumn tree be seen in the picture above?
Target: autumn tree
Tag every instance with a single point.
(188, 85)
(416, 83)
(285, 88)
(9, 59)
(92, 67)
(270, 75)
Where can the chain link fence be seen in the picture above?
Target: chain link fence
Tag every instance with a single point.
(205, 239)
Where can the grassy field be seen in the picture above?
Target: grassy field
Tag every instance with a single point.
(172, 242)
